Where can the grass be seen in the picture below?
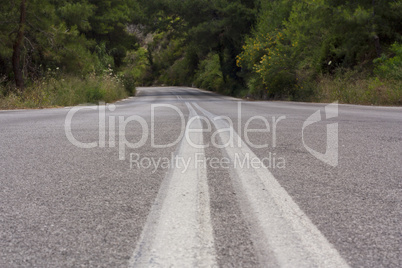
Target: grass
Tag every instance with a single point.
(349, 88)
(366, 91)
(66, 91)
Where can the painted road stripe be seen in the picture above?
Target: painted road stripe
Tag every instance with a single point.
(281, 228)
(178, 231)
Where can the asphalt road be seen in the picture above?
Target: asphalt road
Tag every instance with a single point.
(179, 177)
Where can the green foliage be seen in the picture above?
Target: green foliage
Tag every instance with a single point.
(104, 60)
(129, 83)
(79, 36)
(66, 91)
(219, 27)
(77, 14)
(69, 51)
(209, 75)
(390, 67)
(170, 63)
(295, 42)
(136, 72)
(282, 49)
(111, 15)
(357, 89)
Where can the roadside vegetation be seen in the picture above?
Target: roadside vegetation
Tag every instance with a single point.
(55, 53)
(66, 91)
(326, 50)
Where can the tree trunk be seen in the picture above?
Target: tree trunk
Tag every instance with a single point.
(377, 43)
(221, 55)
(16, 59)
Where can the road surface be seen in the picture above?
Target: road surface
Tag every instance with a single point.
(180, 177)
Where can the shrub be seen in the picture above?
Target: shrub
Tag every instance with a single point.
(129, 83)
(209, 75)
(390, 67)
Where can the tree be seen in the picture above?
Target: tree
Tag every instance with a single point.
(219, 27)
(16, 58)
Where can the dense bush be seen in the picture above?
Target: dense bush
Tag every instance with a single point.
(297, 43)
(390, 67)
(209, 75)
(264, 49)
(79, 39)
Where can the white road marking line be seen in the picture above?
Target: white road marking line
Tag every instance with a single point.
(178, 232)
(282, 227)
